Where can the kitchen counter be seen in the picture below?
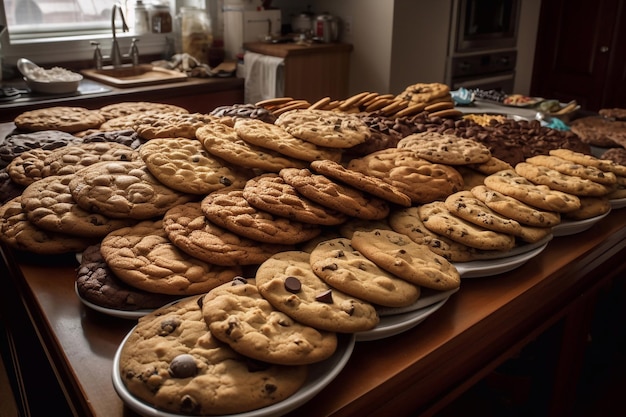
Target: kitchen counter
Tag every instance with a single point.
(195, 94)
(414, 373)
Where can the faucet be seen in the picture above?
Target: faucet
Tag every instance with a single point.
(116, 57)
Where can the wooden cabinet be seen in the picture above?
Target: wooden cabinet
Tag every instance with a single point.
(312, 71)
(579, 53)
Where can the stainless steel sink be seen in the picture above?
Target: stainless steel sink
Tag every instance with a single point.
(134, 76)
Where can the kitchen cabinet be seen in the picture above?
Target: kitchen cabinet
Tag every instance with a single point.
(579, 53)
(312, 71)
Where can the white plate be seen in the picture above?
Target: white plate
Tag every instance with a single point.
(398, 323)
(320, 375)
(477, 269)
(618, 203)
(570, 227)
(427, 297)
(122, 314)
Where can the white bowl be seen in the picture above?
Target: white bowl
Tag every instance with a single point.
(53, 87)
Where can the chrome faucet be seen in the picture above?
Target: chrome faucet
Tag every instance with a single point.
(116, 58)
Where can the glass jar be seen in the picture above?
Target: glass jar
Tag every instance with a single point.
(197, 35)
(141, 19)
(161, 19)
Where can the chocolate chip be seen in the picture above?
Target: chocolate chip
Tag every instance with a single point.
(169, 325)
(183, 366)
(325, 297)
(293, 285)
(239, 281)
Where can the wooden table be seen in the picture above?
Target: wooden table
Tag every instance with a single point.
(420, 370)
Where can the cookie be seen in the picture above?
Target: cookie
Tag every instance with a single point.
(465, 205)
(493, 165)
(325, 128)
(346, 269)
(401, 256)
(126, 122)
(69, 159)
(555, 180)
(48, 204)
(188, 228)
(590, 160)
(123, 190)
(616, 155)
(348, 228)
(170, 361)
(125, 108)
(28, 166)
(126, 137)
(438, 219)
(446, 149)
(184, 165)
(421, 180)
(15, 144)
(239, 316)
(274, 137)
(224, 142)
(424, 92)
(590, 207)
(599, 131)
(342, 198)
(170, 125)
(97, 284)
(287, 281)
(64, 118)
(616, 113)
(367, 183)
(19, 233)
(408, 222)
(509, 182)
(142, 256)
(566, 167)
(245, 111)
(270, 193)
(515, 209)
(230, 210)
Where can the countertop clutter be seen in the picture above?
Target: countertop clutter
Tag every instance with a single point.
(152, 253)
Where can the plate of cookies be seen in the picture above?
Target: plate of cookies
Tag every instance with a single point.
(194, 373)
(120, 314)
(427, 298)
(618, 203)
(571, 227)
(391, 325)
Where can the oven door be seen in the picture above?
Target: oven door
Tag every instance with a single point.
(501, 82)
(486, 24)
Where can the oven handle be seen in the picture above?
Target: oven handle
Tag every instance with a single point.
(483, 80)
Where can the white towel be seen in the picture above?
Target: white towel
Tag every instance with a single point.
(264, 77)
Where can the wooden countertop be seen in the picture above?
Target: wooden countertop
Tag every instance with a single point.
(283, 50)
(480, 326)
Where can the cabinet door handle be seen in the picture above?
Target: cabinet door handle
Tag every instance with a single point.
(604, 49)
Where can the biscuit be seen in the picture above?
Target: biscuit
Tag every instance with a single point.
(126, 137)
(438, 219)
(239, 316)
(445, 148)
(424, 92)
(64, 118)
(515, 209)
(97, 284)
(48, 203)
(170, 361)
(170, 125)
(367, 183)
(325, 128)
(342, 198)
(123, 189)
(571, 168)
(69, 159)
(555, 180)
(287, 281)
(28, 166)
(465, 205)
(230, 210)
(125, 108)
(19, 233)
(269, 192)
(142, 256)
(188, 228)
(245, 111)
(509, 182)
(274, 137)
(15, 144)
(590, 207)
(590, 160)
(224, 142)
(401, 256)
(342, 267)
(184, 165)
(421, 180)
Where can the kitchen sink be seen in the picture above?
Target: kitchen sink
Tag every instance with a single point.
(134, 75)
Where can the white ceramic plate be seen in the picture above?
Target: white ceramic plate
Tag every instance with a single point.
(427, 297)
(398, 323)
(122, 314)
(320, 375)
(618, 203)
(477, 269)
(570, 227)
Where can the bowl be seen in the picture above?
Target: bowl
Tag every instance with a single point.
(48, 81)
(53, 87)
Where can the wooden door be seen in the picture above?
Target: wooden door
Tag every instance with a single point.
(580, 53)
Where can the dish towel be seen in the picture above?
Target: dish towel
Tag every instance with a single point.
(264, 77)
